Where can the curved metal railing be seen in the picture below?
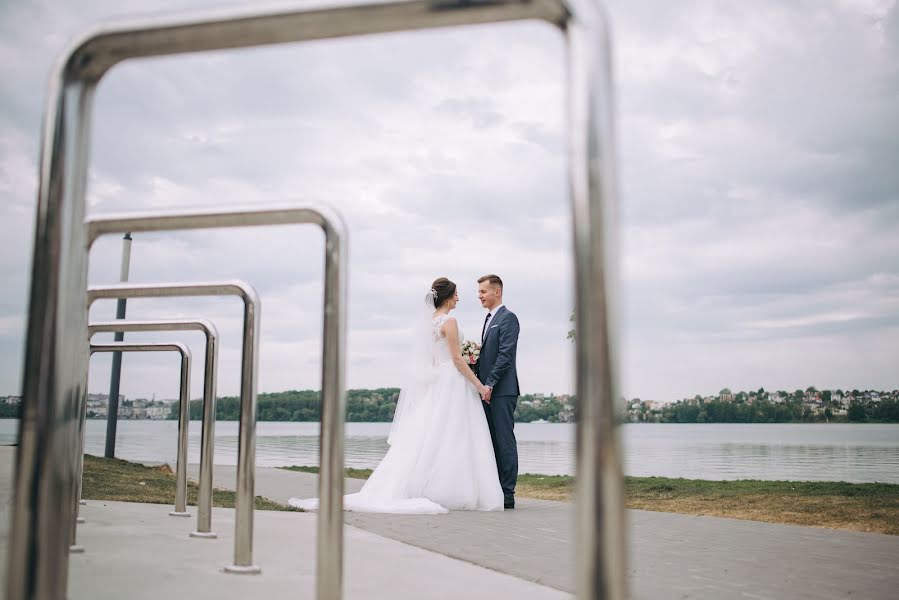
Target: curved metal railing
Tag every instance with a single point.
(183, 412)
(207, 427)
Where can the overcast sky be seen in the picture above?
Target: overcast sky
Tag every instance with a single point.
(759, 167)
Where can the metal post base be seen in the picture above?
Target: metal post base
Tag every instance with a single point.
(203, 534)
(79, 520)
(82, 502)
(179, 514)
(239, 570)
(76, 549)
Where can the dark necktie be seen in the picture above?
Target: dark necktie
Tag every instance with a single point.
(484, 329)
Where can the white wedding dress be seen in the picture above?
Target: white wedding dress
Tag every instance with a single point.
(440, 457)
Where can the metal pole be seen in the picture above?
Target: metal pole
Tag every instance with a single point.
(600, 548)
(183, 413)
(55, 377)
(112, 417)
(330, 483)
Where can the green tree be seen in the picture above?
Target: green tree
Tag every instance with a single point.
(857, 412)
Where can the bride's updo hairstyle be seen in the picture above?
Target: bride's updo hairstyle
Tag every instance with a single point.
(443, 289)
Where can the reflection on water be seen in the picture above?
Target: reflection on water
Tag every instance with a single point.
(857, 453)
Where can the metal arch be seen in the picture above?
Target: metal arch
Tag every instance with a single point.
(246, 445)
(210, 371)
(330, 518)
(55, 367)
(183, 409)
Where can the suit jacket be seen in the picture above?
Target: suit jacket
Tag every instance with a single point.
(499, 348)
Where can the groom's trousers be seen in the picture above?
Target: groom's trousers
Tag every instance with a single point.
(500, 419)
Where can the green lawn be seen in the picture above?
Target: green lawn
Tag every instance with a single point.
(114, 479)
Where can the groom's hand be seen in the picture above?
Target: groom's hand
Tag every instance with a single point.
(486, 395)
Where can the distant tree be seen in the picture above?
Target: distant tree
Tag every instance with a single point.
(857, 412)
(10, 411)
(572, 335)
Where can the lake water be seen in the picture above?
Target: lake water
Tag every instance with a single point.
(836, 452)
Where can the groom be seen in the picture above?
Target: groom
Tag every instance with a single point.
(496, 370)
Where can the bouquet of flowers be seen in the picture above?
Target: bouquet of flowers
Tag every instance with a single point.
(471, 352)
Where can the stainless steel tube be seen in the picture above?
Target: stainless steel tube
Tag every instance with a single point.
(210, 376)
(330, 524)
(55, 371)
(99, 50)
(183, 409)
(246, 451)
(600, 532)
(329, 581)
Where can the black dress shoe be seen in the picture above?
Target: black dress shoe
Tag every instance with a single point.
(509, 503)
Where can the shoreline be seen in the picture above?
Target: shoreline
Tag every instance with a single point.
(569, 423)
(864, 507)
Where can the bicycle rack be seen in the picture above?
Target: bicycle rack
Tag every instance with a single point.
(330, 520)
(55, 360)
(183, 411)
(210, 370)
(246, 445)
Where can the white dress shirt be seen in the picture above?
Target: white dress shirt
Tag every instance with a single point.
(490, 320)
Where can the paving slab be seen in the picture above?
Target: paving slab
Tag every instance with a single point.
(670, 555)
(137, 551)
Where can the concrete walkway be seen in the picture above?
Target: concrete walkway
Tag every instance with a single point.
(671, 556)
(137, 551)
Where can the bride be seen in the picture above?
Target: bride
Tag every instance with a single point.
(440, 455)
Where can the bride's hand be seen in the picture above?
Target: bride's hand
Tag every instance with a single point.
(482, 391)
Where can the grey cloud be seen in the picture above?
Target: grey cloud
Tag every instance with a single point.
(479, 112)
(757, 173)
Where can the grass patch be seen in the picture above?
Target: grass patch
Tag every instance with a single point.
(115, 479)
(869, 507)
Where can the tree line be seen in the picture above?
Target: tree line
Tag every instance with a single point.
(716, 411)
(363, 406)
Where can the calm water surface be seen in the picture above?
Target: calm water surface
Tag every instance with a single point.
(843, 452)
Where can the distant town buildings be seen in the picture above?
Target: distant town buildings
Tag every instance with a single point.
(141, 408)
(810, 403)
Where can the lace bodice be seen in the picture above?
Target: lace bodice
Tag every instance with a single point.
(440, 350)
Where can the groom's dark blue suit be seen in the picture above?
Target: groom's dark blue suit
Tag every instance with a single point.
(496, 368)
